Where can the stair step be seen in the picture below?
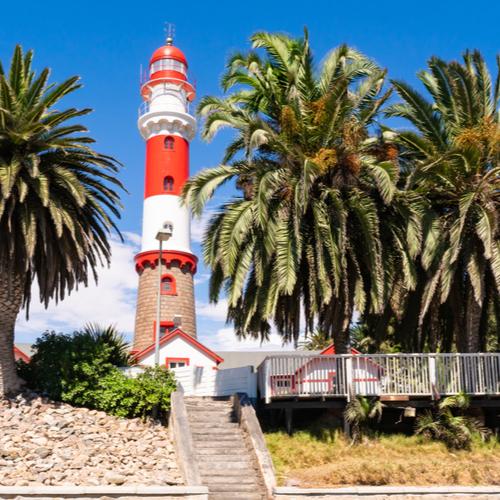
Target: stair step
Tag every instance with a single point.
(209, 422)
(213, 425)
(209, 474)
(233, 488)
(235, 496)
(237, 449)
(224, 457)
(234, 480)
(211, 417)
(208, 404)
(216, 438)
(202, 450)
(209, 414)
(240, 464)
(216, 431)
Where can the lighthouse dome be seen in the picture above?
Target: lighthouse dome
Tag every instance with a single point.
(168, 52)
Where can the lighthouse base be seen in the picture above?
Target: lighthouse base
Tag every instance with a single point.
(177, 302)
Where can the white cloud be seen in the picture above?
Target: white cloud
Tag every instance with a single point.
(199, 225)
(216, 312)
(133, 238)
(111, 301)
(201, 278)
(225, 340)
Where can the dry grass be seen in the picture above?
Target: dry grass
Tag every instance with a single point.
(308, 461)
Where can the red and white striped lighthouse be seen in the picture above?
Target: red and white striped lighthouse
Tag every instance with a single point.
(167, 127)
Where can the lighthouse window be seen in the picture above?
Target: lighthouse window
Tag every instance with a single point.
(169, 143)
(168, 183)
(168, 64)
(168, 285)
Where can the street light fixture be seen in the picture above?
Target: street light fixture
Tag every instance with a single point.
(163, 234)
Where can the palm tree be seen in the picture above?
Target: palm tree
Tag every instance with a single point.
(451, 157)
(449, 424)
(111, 339)
(360, 413)
(316, 341)
(57, 198)
(300, 247)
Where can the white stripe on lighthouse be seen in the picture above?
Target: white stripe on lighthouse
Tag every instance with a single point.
(157, 210)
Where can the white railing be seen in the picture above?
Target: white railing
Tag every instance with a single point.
(306, 375)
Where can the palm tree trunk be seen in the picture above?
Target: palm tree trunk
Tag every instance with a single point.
(11, 297)
(341, 323)
(469, 340)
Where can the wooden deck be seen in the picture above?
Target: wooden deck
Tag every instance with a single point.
(397, 376)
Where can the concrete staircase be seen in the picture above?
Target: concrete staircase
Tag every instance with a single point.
(225, 460)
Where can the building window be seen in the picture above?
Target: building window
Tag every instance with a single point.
(168, 183)
(168, 285)
(176, 362)
(169, 143)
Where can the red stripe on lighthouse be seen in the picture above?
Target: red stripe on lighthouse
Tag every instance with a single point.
(167, 165)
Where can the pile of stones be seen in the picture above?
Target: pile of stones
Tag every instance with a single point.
(47, 443)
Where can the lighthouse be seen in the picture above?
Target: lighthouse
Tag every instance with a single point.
(167, 128)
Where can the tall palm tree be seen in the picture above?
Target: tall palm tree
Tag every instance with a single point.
(57, 198)
(452, 156)
(300, 247)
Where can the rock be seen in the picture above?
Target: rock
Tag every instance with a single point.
(40, 441)
(43, 452)
(114, 478)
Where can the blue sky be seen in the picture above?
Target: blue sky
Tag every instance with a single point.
(106, 42)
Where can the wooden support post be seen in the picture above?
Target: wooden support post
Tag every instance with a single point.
(272, 418)
(289, 420)
(347, 426)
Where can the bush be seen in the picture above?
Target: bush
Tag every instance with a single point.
(142, 396)
(360, 413)
(82, 369)
(447, 423)
(69, 367)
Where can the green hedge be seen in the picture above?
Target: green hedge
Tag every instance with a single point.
(82, 369)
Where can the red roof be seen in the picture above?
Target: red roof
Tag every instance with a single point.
(178, 333)
(168, 52)
(330, 350)
(18, 354)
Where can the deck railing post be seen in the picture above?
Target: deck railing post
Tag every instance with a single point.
(267, 380)
(432, 375)
(349, 377)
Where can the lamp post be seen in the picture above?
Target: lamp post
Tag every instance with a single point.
(163, 234)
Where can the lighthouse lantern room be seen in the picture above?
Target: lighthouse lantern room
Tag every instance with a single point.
(167, 127)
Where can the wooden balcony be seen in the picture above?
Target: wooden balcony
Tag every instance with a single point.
(398, 376)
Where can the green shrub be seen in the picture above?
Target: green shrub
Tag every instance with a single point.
(69, 367)
(142, 396)
(82, 369)
(447, 423)
(360, 413)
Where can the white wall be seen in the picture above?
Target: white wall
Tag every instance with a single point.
(179, 348)
(207, 382)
